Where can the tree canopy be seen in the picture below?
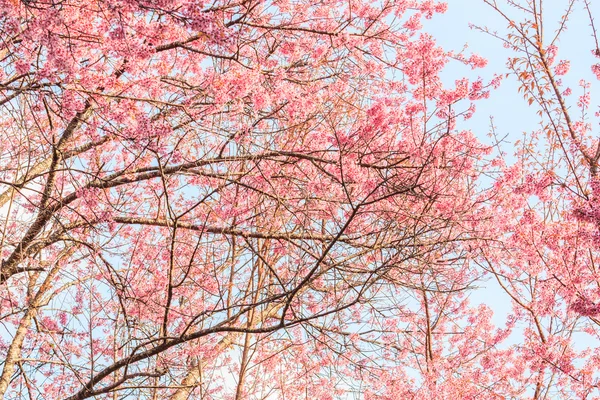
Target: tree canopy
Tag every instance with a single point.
(282, 200)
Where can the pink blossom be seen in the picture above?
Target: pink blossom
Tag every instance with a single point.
(562, 68)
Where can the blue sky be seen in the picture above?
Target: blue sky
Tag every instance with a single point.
(512, 115)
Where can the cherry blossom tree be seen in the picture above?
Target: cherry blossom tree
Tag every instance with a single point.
(546, 251)
(276, 200)
(230, 199)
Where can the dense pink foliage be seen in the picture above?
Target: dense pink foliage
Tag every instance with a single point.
(276, 200)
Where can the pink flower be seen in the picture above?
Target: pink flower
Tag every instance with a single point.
(584, 100)
(585, 308)
(563, 67)
(596, 70)
(476, 61)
